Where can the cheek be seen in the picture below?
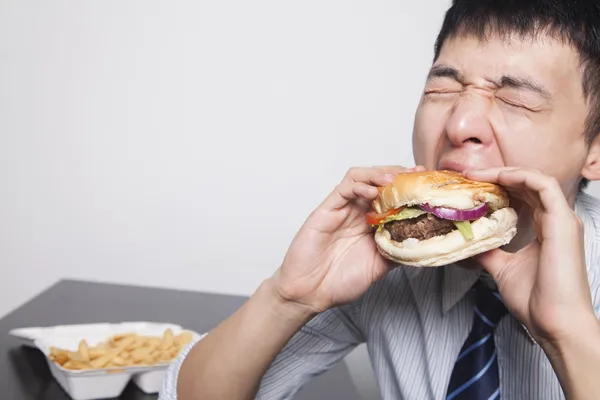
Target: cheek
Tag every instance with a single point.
(546, 151)
(521, 138)
(427, 135)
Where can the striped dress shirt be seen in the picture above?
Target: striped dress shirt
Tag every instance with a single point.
(414, 322)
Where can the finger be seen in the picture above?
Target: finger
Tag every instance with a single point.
(520, 181)
(550, 193)
(358, 190)
(362, 183)
(490, 175)
(518, 190)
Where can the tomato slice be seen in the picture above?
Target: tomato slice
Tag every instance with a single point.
(374, 218)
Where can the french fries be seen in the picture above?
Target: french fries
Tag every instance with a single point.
(122, 350)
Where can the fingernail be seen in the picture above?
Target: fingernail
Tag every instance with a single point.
(388, 177)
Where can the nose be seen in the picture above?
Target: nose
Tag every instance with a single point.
(468, 123)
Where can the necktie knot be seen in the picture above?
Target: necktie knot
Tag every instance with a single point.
(489, 307)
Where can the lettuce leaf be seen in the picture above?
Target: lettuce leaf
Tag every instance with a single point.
(406, 213)
(464, 227)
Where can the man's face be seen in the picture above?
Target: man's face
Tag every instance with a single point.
(497, 103)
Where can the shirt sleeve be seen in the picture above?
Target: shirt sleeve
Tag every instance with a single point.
(317, 347)
(168, 390)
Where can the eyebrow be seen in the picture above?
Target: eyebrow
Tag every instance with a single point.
(446, 71)
(523, 83)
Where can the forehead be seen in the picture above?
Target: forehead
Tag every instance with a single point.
(543, 58)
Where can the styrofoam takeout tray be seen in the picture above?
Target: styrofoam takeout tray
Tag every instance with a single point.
(104, 382)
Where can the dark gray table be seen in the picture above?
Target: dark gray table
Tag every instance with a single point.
(25, 375)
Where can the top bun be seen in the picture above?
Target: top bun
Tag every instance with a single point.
(439, 188)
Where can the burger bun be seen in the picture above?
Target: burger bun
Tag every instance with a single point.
(438, 188)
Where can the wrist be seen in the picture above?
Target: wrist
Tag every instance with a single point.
(287, 311)
(574, 356)
(579, 331)
(582, 333)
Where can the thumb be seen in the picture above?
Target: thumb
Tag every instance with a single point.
(493, 261)
(496, 261)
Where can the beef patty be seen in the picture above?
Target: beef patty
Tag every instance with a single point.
(423, 227)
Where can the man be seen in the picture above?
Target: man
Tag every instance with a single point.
(513, 97)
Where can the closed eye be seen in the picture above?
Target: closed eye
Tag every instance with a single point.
(515, 104)
(440, 92)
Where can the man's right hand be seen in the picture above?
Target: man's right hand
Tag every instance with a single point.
(334, 259)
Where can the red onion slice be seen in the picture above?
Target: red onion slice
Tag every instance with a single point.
(453, 214)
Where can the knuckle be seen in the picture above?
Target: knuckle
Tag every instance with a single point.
(545, 179)
(352, 171)
(534, 173)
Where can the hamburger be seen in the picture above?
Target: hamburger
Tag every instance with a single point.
(435, 218)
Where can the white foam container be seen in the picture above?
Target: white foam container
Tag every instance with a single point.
(105, 382)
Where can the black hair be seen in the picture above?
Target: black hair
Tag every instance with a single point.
(575, 22)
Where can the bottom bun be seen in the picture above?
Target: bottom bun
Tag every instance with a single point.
(488, 233)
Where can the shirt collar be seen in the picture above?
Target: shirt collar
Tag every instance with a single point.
(457, 281)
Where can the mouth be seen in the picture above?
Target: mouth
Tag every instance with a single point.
(461, 165)
(453, 166)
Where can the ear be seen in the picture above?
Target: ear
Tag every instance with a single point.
(591, 168)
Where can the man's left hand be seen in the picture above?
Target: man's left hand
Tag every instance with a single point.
(545, 283)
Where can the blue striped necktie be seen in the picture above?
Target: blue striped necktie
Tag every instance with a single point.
(475, 374)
